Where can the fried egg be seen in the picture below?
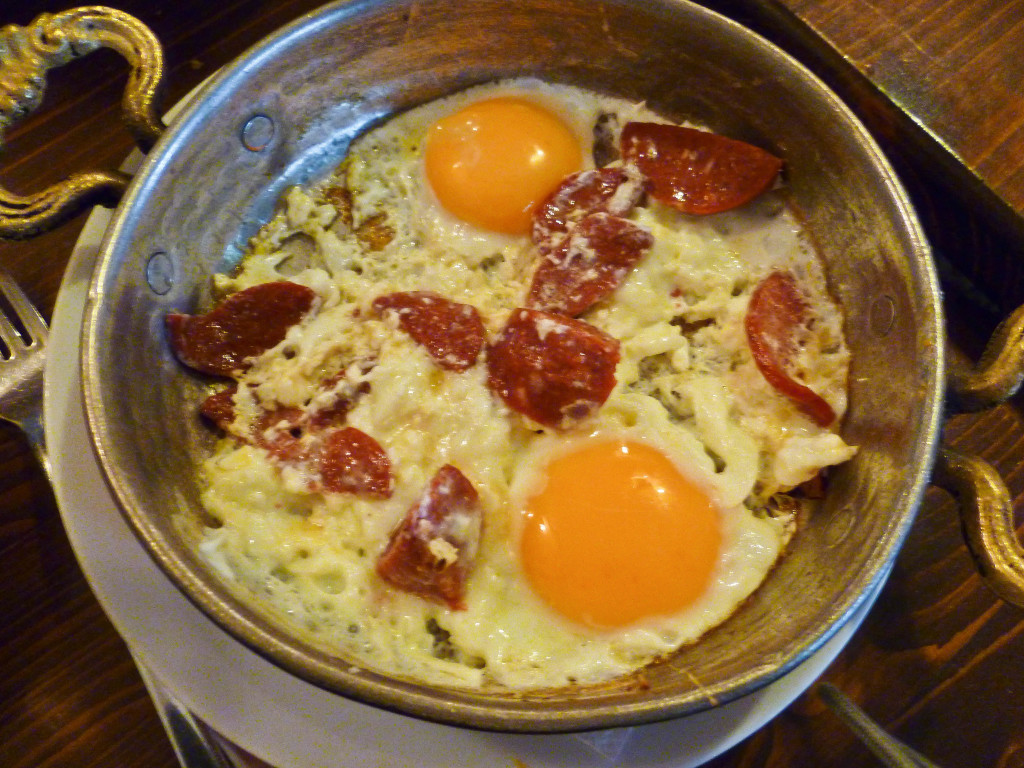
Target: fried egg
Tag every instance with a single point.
(605, 545)
(468, 170)
(615, 533)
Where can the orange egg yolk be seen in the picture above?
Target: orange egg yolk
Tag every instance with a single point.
(494, 161)
(618, 534)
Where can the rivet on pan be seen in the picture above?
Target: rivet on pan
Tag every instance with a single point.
(257, 133)
(839, 526)
(160, 273)
(882, 315)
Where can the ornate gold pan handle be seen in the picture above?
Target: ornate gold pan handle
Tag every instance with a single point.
(999, 372)
(986, 509)
(986, 514)
(26, 54)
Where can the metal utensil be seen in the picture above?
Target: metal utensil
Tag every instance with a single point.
(23, 336)
(887, 748)
(22, 360)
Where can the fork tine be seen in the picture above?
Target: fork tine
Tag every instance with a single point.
(10, 341)
(27, 313)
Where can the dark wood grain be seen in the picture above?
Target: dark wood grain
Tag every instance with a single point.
(950, 65)
(939, 659)
(938, 84)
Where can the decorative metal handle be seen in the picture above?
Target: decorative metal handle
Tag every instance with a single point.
(997, 375)
(986, 514)
(986, 508)
(26, 55)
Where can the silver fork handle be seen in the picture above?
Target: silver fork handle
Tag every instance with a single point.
(32, 426)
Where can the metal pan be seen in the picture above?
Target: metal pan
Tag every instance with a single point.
(283, 114)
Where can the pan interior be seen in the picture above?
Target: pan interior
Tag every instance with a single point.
(208, 186)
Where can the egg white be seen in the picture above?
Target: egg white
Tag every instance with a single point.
(386, 167)
(693, 394)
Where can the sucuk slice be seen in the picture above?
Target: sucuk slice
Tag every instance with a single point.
(243, 325)
(551, 368)
(280, 432)
(588, 264)
(341, 459)
(776, 312)
(350, 461)
(695, 171)
(606, 190)
(323, 412)
(432, 550)
(452, 333)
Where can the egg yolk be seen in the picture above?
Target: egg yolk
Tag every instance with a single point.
(494, 161)
(618, 534)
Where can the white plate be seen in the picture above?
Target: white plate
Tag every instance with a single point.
(273, 714)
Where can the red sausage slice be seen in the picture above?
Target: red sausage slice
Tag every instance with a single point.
(588, 264)
(696, 171)
(242, 326)
(452, 333)
(432, 550)
(220, 408)
(350, 461)
(332, 415)
(776, 311)
(554, 369)
(607, 190)
(322, 414)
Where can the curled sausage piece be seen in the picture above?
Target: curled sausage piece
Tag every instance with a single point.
(553, 369)
(243, 325)
(601, 190)
(338, 395)
(775, 315)
(452, 333)
(432, 550)
(337, 458)
(588, 264)
(696, 171)
(278, 430)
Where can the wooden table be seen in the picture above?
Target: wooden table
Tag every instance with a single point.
(939, 661)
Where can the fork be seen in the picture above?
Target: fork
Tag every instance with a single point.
(23, 340)
(22, 360)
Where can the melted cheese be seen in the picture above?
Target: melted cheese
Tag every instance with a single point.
(686, 384)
